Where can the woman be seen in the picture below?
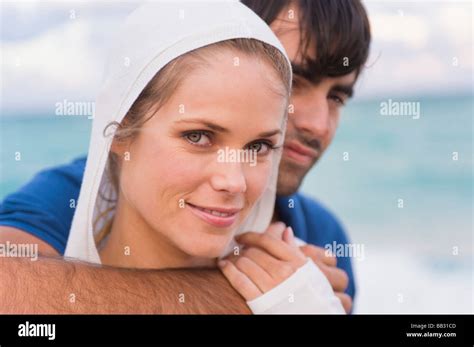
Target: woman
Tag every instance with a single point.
(186, 81)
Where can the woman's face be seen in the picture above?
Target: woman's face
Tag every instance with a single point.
(201, 163)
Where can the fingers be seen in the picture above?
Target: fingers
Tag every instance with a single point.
(319, 255)
(327, 263)
(346, 301)
(336, 277)
(239, 280)
(289, 237)
(256, 274)
(274, 247)
(276, 229)
(276, 269)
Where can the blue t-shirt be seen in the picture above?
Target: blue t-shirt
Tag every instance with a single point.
(44, 207)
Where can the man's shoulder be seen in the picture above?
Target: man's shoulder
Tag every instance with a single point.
(320, 218)
(44, 207)
(53, 180)
(74, 169)
(57, 179)
(315, 209)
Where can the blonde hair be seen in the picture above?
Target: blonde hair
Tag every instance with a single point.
(159, 90)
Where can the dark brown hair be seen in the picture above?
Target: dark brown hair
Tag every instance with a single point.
(336, 31)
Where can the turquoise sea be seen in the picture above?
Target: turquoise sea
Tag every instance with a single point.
(418, 251)
(398, 157)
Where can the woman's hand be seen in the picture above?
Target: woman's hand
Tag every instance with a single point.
(266, 261)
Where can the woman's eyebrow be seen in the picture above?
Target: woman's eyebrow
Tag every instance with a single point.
(221, 129)
(270, 133)
(206, 123)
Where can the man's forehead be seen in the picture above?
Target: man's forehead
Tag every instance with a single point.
(287, 28)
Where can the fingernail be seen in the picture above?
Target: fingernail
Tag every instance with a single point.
(222, 263)
(288, 236)
(290, 230)
(291, 234)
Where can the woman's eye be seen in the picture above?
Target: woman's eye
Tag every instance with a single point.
(260, 148)
(198, 138)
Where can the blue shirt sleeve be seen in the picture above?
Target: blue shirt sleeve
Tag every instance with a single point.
(44, 207)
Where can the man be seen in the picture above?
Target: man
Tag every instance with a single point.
(327, 42)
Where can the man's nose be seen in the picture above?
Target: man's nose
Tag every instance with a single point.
(312, 116)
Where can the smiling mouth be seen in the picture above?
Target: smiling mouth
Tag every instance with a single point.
(218, 217)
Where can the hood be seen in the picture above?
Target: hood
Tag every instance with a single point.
(151, 37)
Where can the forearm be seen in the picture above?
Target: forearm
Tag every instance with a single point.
(53, 285)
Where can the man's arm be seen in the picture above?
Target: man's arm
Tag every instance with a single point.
(53, 285)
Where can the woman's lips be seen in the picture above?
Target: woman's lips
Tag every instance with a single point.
(218, 217)
(299, 153)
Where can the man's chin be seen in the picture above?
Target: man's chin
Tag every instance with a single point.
(288, 184)
(291, 175)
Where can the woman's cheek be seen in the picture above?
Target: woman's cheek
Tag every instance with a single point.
(152, 176)
(258, 178)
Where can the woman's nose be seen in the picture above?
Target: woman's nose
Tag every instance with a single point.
(229, 177)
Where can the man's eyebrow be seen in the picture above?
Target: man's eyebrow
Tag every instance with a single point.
(300, 72)
(221, 129)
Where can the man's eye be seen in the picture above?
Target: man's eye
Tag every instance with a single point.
(198, 138)
(338, 100)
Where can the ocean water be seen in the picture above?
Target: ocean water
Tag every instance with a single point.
(418, 255)
(398, 157)
(417, 252)
(30, 143)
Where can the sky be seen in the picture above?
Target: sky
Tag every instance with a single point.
(55, 50)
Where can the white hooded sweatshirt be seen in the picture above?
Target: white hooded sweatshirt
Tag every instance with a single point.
(152, 36)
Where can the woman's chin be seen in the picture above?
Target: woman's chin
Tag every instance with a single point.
(207, 251)
(207, 247)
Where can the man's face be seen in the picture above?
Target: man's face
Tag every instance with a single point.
(316, 109)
